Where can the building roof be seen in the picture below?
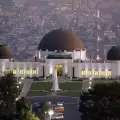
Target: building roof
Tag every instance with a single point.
(5, 52)
(61, 39)
(114, 53)
(59, 55)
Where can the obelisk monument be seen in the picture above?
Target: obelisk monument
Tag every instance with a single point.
(55, 86)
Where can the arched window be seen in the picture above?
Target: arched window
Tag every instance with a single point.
(21, 71)
(8, 70)
(96, 73)
(89, 72)
(28, 72)
(34, 72)
(14, 71)
(83, 72)
(109, 73)
(103, 73)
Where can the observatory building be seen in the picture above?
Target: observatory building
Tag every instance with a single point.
(65, 51)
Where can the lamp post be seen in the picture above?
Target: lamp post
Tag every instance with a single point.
(45, 115)
(90, 83)
(50, 112)
(20, 85)
(22, 78)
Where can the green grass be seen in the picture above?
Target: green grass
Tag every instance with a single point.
(70, 93)
(41, 86)
(37, 93)
(70, 86)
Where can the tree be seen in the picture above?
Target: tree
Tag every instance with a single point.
(9, 92)
(44, 108)
(102, 102)
(24, 110)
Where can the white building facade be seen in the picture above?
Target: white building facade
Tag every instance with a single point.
(108, 69)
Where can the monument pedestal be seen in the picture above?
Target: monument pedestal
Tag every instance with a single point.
(55, 86)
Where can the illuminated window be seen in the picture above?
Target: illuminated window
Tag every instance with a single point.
(21, 71)
(103, 72)
(96, 73)
(27, 71)
(14, 71)
(60, 66)
(34, 72)
(8, 70)
(109, 73)
(90, 73)
(83, 72)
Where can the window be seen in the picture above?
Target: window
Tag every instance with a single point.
(103, 72)
(109, 73)
(14, 71)
(21, 71)
(90, 73)
(8, 70)
(96, 73)
(34, 72)
(83, 72)
(27, 71)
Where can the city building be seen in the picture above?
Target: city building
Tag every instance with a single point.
(63, 50)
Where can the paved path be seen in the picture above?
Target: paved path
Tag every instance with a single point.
(70, 105)
(26, 87)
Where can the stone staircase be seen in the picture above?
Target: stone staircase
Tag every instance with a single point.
(26, 87)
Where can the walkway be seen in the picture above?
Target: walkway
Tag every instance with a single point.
(26, 87)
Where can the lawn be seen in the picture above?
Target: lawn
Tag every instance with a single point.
(70, 86)
(70, 93)
(37, 93)
(41, 86)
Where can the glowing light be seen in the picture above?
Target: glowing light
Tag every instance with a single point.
(20, 82)
(16, 99)
(90, 87)
(50, 112)
(90, 83)
(90, 78)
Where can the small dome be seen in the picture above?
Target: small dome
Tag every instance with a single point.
(114, 53)
(61, 40)
(5, 52)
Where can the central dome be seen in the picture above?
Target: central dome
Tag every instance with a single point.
(60, 39)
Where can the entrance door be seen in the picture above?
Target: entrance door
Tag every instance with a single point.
(59, 70)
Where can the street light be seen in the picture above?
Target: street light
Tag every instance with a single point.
(16, 99)
(22, 78)
(90, 78)
(20, 82)
(89, 87)
(90, 83)
(45, 115)
(50, 112)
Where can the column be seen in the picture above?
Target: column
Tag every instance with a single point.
(39, 54)
(65, 69)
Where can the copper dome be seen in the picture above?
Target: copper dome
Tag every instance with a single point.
(61, 40)
(5, 52)
(114, 53)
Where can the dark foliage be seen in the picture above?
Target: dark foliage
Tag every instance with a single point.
(101, 103)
